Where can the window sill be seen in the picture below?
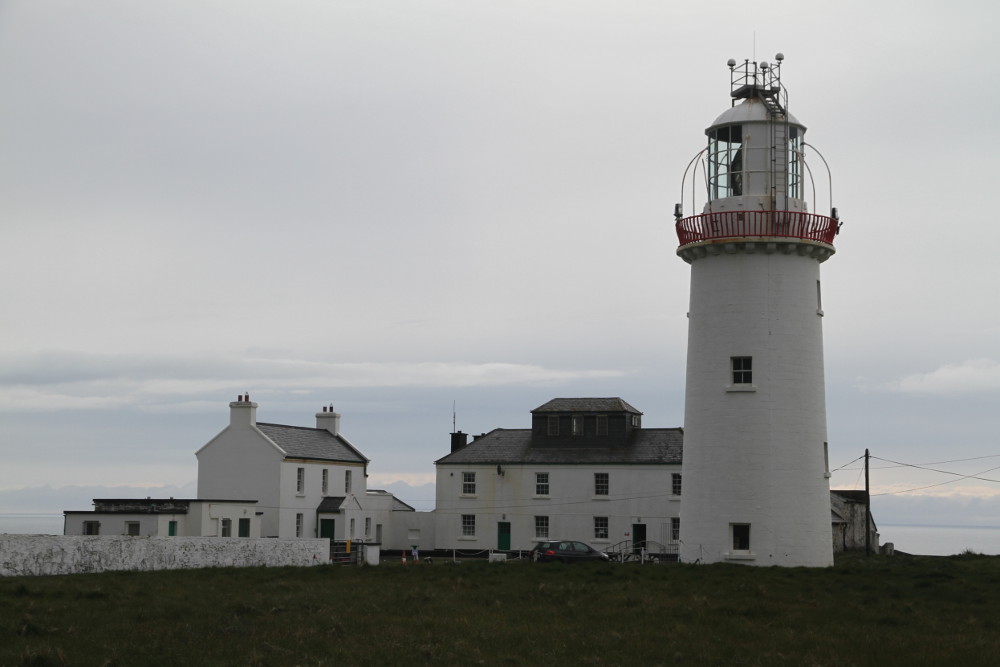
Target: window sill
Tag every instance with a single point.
(467, 495)
(467, 538)
(545, 497)
(601, 540)
(741, 387)
(674, 499)
(739, 555)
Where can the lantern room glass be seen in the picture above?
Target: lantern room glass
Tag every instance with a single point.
(725, 161)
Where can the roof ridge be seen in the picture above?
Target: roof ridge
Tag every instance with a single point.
(305, 428)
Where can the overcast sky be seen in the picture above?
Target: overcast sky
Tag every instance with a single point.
(397, 207)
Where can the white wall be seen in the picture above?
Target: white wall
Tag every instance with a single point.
(292, 502)
(47, 554)
(638, 494)
(203, 519)
(755, 455)
(242, 464)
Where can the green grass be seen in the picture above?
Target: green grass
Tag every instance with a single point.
(886, 611)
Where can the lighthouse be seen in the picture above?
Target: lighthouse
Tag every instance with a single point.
(755, 466)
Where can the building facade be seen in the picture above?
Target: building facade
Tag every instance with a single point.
(309, 482)
(586, 469)
(166, 517)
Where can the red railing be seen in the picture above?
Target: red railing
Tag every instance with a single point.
(771, 224)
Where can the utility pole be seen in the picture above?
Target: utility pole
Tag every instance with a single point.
(868, 509)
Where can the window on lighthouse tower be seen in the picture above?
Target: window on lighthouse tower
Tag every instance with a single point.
(742, 370)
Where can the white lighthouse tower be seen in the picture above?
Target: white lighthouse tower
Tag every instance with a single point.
(756, 479)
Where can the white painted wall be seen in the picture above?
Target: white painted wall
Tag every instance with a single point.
(292, 502)
(241, 463)
(756, 456)
(638, 494)
(203, 519)
(25, 555)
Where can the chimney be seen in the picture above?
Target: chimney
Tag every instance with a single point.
(459, 440)
(242, 412)
(328, 420)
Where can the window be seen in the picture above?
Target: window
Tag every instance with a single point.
(91, 527)
(742, 370)
(244, 527)
(826, 460)
(541, 527)
(600, 527)
(741, 536)
(468, 483)
(351, 536)
(347, 481)
(675, 483)
(601, 483)
(468, 525)
(368, 527)
(636, 421)
(602, 424)
(171, 529)
(326, 481)
(794, 162)
(541, 483)
(725, 162)
(299, 521)
(576, 422)
(132, 528)
(553, 425)
(227, 527)
(819, 299)
(675, 529)
(300, 480)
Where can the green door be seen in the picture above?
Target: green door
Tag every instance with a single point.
(503, 536)
(326, 528)
(244, 528)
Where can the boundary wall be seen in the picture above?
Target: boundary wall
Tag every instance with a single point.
(28, 555)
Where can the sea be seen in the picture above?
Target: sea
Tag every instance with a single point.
(922, 540)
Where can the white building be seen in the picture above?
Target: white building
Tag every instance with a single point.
(586, 469)
(309, 482)
(755, 443)
(165, 517)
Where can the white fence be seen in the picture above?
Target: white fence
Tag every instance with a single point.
(24, 555)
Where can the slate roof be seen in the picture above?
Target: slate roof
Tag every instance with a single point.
(330, 504)
(855, 495)
(511, 446)
(586, 405)
(299, 442)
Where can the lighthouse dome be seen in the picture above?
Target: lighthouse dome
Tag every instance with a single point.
(752, 110)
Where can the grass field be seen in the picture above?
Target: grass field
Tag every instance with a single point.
(880, 611)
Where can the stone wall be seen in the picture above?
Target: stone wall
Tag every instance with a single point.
(24, 555)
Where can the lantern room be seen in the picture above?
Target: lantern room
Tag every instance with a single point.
(757, 184)
(755, 147)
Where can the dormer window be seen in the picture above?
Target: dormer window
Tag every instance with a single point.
(553, 425)
(577, 424)
(602, 424)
